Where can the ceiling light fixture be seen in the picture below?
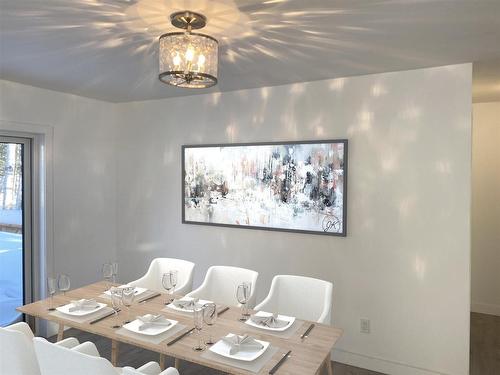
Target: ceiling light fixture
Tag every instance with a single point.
(188, 59)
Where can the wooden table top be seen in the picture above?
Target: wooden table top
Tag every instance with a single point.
(306, 358)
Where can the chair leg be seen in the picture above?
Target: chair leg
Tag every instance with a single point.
(60, 332)
(114, 352)
(162, 361)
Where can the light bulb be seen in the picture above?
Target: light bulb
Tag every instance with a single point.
(189, 54)
(177, 60)
(201, 60)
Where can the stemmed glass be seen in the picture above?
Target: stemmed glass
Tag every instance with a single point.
(128, 296)
(198, 325)
(174, 279)
(114, 265)
(210, 317)
(107, 274)
(51, 288)
(169, 281)
(116, 301)
(243, 295)
(63, 283)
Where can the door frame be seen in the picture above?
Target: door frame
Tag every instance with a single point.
(42, 204)
(27, 213)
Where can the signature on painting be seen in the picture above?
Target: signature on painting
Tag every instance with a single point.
(331, 223)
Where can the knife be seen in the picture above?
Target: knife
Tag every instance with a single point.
(105, 316)
(281, 361)
(304, 335)
(223, 310)
(150, 297)
(180, 337)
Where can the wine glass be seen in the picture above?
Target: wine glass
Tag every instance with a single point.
(209, 317)
(116, 301)
(198, 325)
(174, 279)
(51, 289)
(128, 296)
(167, 280)
(115, 271)
(243, 295)
(63, 283)
(107, 274)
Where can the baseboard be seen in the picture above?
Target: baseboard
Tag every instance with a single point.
(485, 308)
(381, 365)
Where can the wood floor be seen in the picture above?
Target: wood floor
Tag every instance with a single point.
(484, 344)
(485, 351)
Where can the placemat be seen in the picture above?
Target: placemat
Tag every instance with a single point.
(151, 339)
(253, 366)
(82, 319)
(173, 311)
(139, 299)
(282, 334)
(188, 313)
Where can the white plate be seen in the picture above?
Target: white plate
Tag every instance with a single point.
(134, 325)
(65, 309)
(221, 348)
(138, 290)
(289, 319)
(173, 307)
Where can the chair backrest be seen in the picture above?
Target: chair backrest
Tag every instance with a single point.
(17, 356)
(158, 266)
(303, 297)
(221, 282)
(58, 360)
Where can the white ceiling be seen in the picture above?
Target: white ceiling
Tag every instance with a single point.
(107, 49)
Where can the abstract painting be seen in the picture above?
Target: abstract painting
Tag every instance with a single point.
(290, 186)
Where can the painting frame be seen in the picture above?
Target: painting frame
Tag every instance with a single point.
(342, 141)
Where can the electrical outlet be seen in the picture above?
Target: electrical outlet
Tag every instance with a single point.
(364, 325)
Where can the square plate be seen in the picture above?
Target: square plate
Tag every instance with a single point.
(173, 307)
(221, 348)
(289, 319)
(134, 325)
(138, 290)
(65, 309)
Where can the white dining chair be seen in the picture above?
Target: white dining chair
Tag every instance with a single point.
(152, 279)
(56, 360)
(303, 297)
(17, 355)
(221, 282)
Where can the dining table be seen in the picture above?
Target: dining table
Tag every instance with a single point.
(307, 354)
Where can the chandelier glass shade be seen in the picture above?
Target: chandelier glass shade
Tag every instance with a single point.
(188, 59)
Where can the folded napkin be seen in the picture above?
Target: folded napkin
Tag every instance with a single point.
(186, 304)
(83, 304)
(239, 343)
(271, 321)
(137, 290)
(150, 320)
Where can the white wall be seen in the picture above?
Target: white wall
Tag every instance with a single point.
(486, 209)
(83, 173)
(405, 263)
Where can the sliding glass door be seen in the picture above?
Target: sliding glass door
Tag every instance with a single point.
(15, 227)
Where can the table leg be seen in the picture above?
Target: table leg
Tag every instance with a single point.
(326, 366)
(329, 365)
(60, 332)
(162, 361)
(177, 363)
(114, 352)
